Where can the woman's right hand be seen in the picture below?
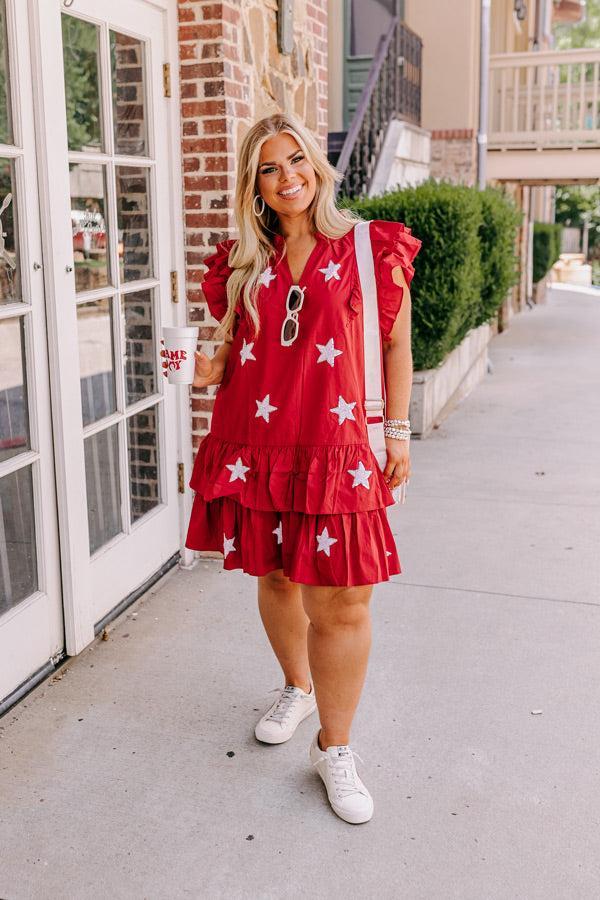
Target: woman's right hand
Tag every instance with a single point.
(206, 370)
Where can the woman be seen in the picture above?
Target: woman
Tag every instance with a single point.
(286, 484)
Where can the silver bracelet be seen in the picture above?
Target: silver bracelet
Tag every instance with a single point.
(397, 423)
(397, 434)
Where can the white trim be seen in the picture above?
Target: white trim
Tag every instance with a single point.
(51, 134)
(184, 404)
(101, 293)
(10, 150)
(18, 461)
(13, 310)
(101, 158)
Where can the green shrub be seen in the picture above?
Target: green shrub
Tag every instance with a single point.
(467, 262)
(500, 219)
(546, 248)
(446, 288)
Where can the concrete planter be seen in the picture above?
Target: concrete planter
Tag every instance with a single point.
(539, 291)
(435, 392)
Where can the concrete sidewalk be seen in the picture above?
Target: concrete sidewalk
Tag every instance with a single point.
(135, 772)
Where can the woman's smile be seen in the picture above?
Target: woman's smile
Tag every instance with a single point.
(290, 193)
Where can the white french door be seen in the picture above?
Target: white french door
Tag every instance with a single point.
(105, 156)
(89, 430)
(31, 620)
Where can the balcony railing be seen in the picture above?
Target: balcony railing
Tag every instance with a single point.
(545, 100)
(392, 91)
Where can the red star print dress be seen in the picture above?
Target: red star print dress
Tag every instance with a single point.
(286, 478)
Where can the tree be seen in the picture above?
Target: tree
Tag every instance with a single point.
(577, 204)
(586, 34)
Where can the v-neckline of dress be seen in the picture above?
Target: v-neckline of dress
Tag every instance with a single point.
(280, 241)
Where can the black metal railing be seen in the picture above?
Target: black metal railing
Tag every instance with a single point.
(392, 91)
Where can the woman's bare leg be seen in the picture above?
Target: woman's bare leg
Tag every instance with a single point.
(339, 641)
(286, 623)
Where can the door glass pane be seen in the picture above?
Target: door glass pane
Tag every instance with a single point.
(133, 221)
(138, 327)
(142, 440)
(103, 487)
(88, 223)
(6, 132)
(127, 70)
(14, 418)
(82, 84)
(18, 564)
(10, 282)
(96, 353)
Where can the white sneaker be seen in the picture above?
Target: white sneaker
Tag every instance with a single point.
(348, 796)
(281, 720)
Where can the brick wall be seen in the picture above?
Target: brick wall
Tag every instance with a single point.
(454, 155)
(231, 74)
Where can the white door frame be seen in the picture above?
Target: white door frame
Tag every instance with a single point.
(31, 632)
(46, 32)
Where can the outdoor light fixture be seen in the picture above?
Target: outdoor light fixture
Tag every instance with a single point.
(520, 10)
(285, 26)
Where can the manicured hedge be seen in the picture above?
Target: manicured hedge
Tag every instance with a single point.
(466, 264)
(500, 220)
(546, 248)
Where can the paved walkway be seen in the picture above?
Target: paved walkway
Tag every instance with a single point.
(135, 773)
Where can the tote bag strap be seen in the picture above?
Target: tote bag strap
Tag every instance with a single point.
(374, 401)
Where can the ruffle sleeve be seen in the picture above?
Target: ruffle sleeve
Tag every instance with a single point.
(214, 284)
(393, 245)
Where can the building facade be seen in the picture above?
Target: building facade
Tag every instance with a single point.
(120, 123)
(539, 125)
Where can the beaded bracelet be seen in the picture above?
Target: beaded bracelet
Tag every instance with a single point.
(398, 434)
(397, 423)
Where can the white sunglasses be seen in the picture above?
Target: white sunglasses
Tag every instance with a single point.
(293, 304)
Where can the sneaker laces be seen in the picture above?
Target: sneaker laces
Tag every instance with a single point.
(344, 772)
(289, 695)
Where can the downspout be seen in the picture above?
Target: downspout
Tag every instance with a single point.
(539, 14)
(484, 70)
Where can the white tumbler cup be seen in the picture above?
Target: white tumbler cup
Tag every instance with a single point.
(180, 347)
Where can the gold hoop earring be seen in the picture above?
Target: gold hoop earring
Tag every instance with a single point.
(258, 197)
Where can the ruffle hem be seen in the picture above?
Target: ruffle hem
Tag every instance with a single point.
(362, 551)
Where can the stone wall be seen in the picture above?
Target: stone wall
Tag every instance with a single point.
(454, 155)
(232, 74)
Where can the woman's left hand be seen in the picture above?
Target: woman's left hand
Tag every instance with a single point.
(397, 469)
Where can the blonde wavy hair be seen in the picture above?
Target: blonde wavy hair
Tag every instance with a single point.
(250, 254)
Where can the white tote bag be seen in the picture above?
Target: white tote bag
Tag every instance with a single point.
(374, 375)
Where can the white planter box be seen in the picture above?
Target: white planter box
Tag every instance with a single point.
(435, 392)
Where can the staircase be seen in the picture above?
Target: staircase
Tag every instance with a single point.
(388, 108)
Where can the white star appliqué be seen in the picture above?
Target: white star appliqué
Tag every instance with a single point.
(361, 476)
(325, 542)
(332, 271)
(278, 531)
(228, 545)
(238, 469)
(266, 278)
(343, 410)
(328, 352)
(246, 352)
(264, 408)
